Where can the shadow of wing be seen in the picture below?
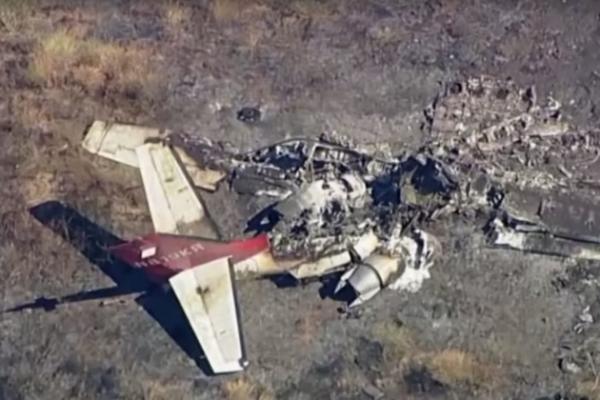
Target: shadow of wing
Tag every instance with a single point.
(93, 241)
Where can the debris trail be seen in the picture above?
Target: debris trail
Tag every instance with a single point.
(492, 147)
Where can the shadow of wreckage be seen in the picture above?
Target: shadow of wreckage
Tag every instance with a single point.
(93, 241)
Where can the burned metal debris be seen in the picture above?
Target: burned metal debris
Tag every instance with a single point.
(249, 114)
(492, 150)
(342, 208)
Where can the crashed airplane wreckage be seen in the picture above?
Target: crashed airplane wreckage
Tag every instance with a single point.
(357, 210)
(320, 188)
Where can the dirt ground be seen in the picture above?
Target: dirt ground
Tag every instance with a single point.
(489, 324)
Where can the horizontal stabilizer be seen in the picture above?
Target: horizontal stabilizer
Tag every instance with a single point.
(207, 295)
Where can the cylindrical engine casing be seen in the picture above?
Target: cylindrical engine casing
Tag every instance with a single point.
(374, 273)
(385, 266)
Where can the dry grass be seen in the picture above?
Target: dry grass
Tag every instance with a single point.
(9, 20)
(243, 389)
(254, 35)
(64, 58)
(176, 16)
(314, 9)
(589, 389)
(398, 342)
(43, 187)
(453, 367)
(308, 327)
(13, 15)
(154, 390)
(456, 367)
(227, 10)
(30, 112)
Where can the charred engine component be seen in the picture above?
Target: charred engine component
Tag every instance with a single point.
(356, 251)
(426, 183)
(404, 266)
(321, 216)
(369, 277)
(294, 160)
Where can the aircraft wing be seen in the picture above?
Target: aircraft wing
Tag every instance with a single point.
(118, 142)
(207, 295)
(173, 203)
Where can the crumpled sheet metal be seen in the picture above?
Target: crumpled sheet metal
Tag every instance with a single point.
(339, 206)
(492, 113)
(529, 239)
(331, 211)
(420, 250)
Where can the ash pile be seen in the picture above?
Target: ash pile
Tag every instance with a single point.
(491, 147)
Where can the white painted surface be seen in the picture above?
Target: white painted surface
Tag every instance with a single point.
(206, 294)
(174, 206)
(117, 141)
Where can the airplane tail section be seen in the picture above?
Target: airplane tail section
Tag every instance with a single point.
(200, 271)
(162, 256)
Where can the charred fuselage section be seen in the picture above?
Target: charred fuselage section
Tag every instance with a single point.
(491, 147)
